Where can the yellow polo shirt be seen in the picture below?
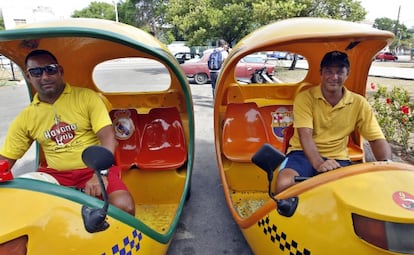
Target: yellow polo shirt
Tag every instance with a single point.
(332, 124)
(63, 129)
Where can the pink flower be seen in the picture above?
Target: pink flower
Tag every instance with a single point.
(372, 85)
(388, 100)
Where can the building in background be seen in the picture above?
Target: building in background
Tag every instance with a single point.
(13, 16)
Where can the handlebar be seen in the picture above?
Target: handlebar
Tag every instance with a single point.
(300, 178)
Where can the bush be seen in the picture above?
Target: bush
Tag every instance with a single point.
(394, 112)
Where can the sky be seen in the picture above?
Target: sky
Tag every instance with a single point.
(375, 8)
(378, 9)
(61, 8)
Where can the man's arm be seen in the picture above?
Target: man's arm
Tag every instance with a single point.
(381, 149)
(106, 136)
(309, 147)
(311, 152)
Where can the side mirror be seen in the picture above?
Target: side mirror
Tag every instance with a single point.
(98, 158)
(269, 158)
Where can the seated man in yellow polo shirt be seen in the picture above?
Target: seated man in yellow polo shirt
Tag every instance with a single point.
(65, 120)
(324, 116)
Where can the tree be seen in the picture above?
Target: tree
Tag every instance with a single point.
(1, 23)
(349, 10)
(404, 37)
(99, 10)
(150, 14)
(384, 24)
(127, 12)
(199, 21)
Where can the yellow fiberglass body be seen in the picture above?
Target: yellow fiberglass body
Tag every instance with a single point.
(366, 208)
(156, 154)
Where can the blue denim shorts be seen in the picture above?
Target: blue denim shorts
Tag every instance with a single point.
(297, 160)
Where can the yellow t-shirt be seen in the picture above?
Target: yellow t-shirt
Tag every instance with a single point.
(63, 129)
(332, 124)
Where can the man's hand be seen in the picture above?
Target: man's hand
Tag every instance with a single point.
(328, 165)
(92, 186)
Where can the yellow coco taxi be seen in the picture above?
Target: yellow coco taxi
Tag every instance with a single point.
(149, 101)
(366, 208)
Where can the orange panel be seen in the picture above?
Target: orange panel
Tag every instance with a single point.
(276, 118)
(125, 122)
(243, 131)
(355, 152)
(163, 140)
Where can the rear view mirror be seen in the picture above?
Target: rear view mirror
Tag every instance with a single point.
(268, 158)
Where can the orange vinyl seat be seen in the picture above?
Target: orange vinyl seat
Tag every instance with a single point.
(356, 153)
(243, 131)
(128, 135)
(163, 144)
(287, 134)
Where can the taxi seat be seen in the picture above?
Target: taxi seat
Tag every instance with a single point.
(287, 134)
(163, 144)
(128, 135)
(243, 131)
(355, 151)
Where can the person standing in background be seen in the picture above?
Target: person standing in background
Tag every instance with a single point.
(215, 62)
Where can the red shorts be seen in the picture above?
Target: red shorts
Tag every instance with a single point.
(78, 178)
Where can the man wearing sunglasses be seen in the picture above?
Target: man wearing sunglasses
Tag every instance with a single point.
(65, 120)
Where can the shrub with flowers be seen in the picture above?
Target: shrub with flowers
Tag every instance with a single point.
(394, 111)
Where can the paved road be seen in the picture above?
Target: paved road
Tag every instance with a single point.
(207, 226)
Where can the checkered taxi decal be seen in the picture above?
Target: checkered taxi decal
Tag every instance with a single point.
(128, 246)
(280, 238)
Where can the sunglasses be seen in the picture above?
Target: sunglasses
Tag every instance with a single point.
(49, 69)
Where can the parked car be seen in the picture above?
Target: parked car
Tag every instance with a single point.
(280, 55)
(184, 56)
(197, 68)
(386, 56)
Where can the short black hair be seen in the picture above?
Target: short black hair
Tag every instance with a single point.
(222, 42)
(36, 53)
(335, 58)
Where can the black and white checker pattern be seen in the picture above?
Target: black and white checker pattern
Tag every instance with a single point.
(280, 239)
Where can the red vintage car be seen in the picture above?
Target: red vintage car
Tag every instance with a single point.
(197, 68)
(386, 56)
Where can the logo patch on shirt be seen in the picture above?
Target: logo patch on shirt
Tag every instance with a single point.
(61, 132)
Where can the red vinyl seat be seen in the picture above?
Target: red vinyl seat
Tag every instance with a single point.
(163, 144)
